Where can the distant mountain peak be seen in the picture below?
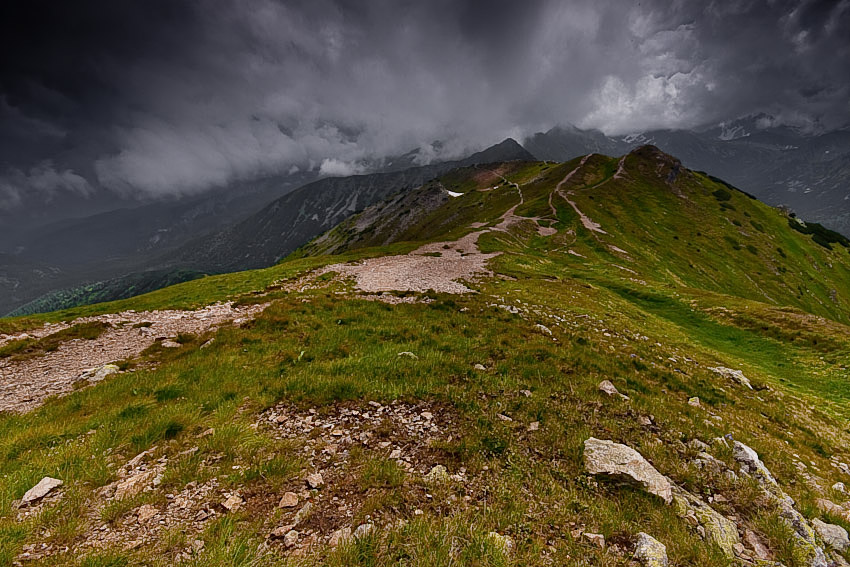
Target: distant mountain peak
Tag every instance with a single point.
(506, 150)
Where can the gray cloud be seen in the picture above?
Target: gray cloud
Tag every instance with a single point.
(160, 98)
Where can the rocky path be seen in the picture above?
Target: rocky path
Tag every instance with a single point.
(25, 384)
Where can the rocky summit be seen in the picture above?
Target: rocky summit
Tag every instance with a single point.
(606, 361)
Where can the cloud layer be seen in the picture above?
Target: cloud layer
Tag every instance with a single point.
(168, 97)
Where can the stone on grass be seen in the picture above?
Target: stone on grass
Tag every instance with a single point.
(480, 367)
(104, 371)
(650, 552)
(735, 375)
(607, 387)
(839, 487)
(750, 462)
(604, 457)
(833, 535)
(597, 540)
(44, 487)
(289, 500)
(694, 402)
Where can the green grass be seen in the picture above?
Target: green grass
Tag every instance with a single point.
(652, 320)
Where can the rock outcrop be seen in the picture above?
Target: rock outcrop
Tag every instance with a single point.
(804, 535)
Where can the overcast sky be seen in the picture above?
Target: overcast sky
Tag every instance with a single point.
(161, 97)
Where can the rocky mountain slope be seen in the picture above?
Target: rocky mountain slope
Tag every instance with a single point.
(780, 165)
(194, 241)
(294, 219)
(609, 361)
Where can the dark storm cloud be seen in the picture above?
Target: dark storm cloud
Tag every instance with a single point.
(166, 96)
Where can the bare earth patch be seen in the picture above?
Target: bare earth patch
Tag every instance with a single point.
(437, 266)
(25, 384)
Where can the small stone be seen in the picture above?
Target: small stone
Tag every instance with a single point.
(363, 530)
(503, 417)
(341, 535)
(644, 421)
(408, 354)
(755, 543)
(289, 500)
(233, 503)
(280, 532)
(839, 487)
(146, 512)
(480, 367)
(303, 513)
(526, 393)
(697, 445)
(208, 343)
(503, 543)
(395, 454)
(315, 480)
(534, 426)
(694, 402)
(104, 371)
(427, 415)
(291, 538)
(650, 552)
(544, 329)
(44, 487)
(597, 540)
(168, 343)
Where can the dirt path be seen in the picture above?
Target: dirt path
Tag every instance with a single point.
(586, 221)
(25, 384)
(438, 266)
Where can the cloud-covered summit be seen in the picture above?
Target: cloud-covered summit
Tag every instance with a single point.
(167, 97)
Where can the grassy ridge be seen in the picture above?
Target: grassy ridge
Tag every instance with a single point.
(681, 298)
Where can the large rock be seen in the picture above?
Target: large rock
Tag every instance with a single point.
(44, 487)
(604, 457)
(650, 552)
(833, 535)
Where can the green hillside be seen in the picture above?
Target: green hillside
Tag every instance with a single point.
(455, 425)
